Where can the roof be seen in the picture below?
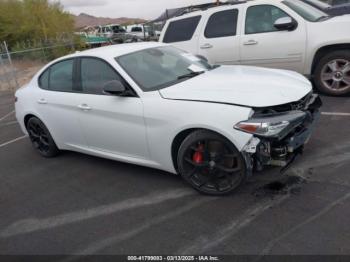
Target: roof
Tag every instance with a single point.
(222, 6)
(117, 50)
(171, 13)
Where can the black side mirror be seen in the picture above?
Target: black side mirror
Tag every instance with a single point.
(114, 87)
(285, 23)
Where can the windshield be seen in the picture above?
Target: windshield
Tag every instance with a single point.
(318, 3)
(136, 29)
(307, 11)
(118, 29)
(156, 68)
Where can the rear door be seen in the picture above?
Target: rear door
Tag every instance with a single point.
(57, 104)
(219, 38)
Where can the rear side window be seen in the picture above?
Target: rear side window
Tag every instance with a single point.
(222, 24)
(44, 80)
(181, 30)
(58, 77)
(95, 74)
(61, 76)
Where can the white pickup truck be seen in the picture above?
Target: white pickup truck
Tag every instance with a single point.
(284, 34)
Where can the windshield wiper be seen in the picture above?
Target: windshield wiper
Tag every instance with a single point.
(190, 75)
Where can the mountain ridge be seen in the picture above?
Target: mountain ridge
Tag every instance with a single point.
(83, 20)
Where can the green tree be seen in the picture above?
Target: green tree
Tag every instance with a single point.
(34, 21)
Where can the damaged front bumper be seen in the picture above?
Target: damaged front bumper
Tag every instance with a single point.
(279, 143)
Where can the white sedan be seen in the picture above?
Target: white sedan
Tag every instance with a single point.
(155, 105)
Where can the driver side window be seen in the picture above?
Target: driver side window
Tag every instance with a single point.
(95, 74)
(261, 19)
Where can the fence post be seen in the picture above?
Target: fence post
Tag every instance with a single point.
(4, 69)
(43, 50)
(10, 61)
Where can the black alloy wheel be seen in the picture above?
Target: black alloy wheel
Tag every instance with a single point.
(41, 139)
(210, 163)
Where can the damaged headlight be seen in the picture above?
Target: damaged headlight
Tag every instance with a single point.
(262, 128)
(277, 125)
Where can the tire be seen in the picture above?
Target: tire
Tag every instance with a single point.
(41, 138)
(210, 163)
(332, 73)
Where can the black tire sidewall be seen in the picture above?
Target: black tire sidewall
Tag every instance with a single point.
(53, 149)
(341, 54)
(202, 135)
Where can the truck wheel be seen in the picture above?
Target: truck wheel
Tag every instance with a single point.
(332, 73)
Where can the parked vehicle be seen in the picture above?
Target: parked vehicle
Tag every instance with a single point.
(93, 40)
(139, 31)
(288, 34)
(116, 33)
(155, 105)
(335, 10)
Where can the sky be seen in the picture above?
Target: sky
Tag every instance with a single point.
(147, 9)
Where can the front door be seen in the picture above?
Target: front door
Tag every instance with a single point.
(264, 45)
(111, 124)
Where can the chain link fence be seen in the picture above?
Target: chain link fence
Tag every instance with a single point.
(7, 77)
(18, 64)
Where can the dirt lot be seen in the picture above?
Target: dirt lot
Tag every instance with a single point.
(77, 204)
(22, 71)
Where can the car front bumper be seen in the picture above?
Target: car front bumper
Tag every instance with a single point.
(281, 150)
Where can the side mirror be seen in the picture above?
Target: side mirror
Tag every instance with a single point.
(114, 87)
(285, 23)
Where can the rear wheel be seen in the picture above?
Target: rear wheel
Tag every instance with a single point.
(41, 138)
(332, 74)
(210, 163)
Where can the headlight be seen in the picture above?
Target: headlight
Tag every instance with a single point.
(262, 128)
(278, 125)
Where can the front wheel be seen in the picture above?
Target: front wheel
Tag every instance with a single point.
(210, 163)
(332, 74)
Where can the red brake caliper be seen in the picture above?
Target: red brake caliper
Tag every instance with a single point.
(198, 155)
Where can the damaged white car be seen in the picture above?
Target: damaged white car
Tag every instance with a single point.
(154, 105)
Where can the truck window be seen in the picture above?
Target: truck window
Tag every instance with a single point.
(261, 19)
(136, 29)
(181, 30)
(222, 24)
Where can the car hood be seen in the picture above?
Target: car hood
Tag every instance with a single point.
(242, 85)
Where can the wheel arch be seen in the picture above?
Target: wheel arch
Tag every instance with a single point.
(30, 115)
(27, 117)
(181, 136)
(322, 51)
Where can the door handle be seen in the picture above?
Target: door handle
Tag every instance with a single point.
(251, 42)
(84, 107)
(42, 101)
(206, 46)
